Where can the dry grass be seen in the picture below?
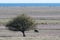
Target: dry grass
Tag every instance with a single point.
(30, 35)
(4, 21)
(31, 38)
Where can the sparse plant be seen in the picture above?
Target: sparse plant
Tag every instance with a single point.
(21, 23)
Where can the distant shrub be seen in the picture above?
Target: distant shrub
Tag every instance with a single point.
(21, 23)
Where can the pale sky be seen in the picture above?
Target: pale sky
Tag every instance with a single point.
(29, 1)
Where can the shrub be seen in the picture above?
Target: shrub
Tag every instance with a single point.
(21, 23)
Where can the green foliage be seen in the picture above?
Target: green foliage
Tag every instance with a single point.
(21, 23)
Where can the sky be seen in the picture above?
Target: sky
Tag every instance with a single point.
(29, 1)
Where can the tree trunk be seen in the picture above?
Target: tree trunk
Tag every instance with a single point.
(24, 34)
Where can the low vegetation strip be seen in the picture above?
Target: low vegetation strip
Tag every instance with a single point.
(4, 21)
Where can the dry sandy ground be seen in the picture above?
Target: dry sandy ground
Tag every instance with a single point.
(30, 35)
(9, 12)
(31, 38)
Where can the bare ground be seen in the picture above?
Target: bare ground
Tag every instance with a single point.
(44, 34)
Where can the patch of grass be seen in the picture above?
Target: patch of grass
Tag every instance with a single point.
(48, 21)
(3, 21)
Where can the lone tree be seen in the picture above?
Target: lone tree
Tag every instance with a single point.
(21, 23)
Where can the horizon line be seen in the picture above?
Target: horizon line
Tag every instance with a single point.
(29, 4)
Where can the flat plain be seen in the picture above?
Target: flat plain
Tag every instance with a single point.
(49, 15)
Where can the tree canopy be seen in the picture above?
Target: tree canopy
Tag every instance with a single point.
(21, 23)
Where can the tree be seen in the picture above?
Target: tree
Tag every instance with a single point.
(21, 23)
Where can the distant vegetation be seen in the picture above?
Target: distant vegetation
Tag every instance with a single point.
(21, 23)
